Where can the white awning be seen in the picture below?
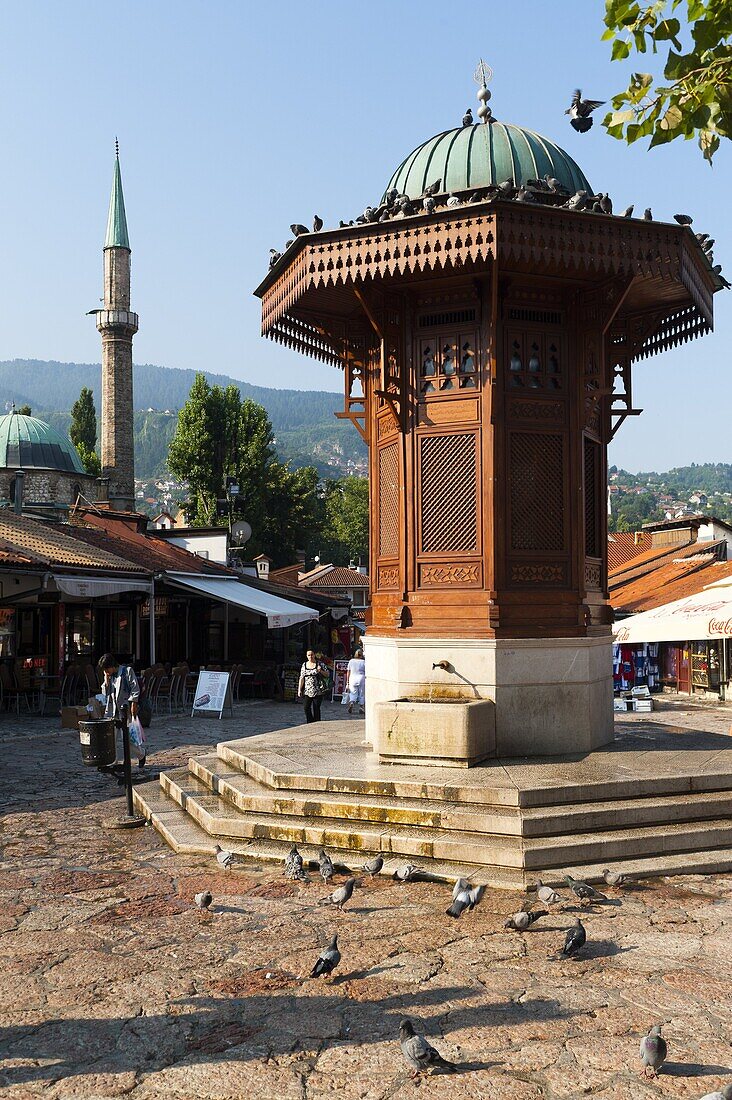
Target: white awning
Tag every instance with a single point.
(91, 587)
(279, 612)
(706, 614)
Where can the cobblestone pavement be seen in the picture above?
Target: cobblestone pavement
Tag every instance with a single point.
(112, 984)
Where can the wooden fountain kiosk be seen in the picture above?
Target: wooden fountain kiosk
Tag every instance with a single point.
(487, 345)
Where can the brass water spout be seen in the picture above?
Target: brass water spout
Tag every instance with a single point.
(444, 665)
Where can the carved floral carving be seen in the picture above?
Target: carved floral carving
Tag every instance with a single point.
(593, 575)
(459, 573)
(532, 573)
(388, 576)
(536, 410)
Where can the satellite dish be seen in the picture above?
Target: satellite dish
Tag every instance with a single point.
(241, 532)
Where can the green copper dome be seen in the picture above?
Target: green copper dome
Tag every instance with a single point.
(26, 442)
(480, 155)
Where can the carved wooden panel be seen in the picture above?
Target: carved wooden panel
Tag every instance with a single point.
(448, 362)
(446, 574)
(389, 501)
(536, 462)
(533, 362)
(448, 493)
(538, 573)
(388, 576)
(593, 574)
(448, 412)
(386, 425)
(535, 410)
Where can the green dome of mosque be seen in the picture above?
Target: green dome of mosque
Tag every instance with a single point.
(28, 443)
(482, 155)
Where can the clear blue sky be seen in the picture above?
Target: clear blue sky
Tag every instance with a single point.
(237, 118)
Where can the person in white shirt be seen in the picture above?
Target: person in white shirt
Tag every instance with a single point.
(356, 682)
(121, 693)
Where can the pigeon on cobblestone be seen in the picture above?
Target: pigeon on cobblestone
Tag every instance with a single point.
(225, 859)
(725, 1093)
(575, 939)
(653, 1051)
(420, 1054)
(546, 894)
(615, 878)
(204, 899)
(340, 896)
(293, 864)
(406, 872)
(372, 866)
(326, 866)
(464, 896)
(522, 920)
(327, 960)
(583, 890)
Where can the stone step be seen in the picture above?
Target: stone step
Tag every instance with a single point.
(247, 794)
(219, 818)
(488, 785)
(183, 835)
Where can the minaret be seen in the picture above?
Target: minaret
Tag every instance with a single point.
(117, 326)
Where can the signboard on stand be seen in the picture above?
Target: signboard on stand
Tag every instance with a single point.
(340, 676)
(290, 680)
(213, 694)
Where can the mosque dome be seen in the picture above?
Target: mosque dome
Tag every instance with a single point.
(481, 155)
(27, 443)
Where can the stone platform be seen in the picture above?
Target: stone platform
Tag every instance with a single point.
(658, 800)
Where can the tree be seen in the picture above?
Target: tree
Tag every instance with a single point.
(24, 410)
(84, 420)
(346, 526)
(697, 100)
(83, 431)
(89, 460)
(220, 436)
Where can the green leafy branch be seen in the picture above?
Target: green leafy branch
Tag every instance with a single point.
(698, 100)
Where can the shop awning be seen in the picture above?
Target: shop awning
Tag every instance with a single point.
(91, 587)
(229, 590)
(706, 614)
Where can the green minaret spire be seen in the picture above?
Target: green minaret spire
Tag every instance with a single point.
(117, 220)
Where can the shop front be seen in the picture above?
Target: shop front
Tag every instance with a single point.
(692, 638)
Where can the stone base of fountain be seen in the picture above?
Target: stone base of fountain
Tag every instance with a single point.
(448, 732)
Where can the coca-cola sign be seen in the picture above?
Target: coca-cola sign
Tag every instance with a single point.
(720, 626)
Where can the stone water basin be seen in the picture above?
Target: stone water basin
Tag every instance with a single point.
(446, 732)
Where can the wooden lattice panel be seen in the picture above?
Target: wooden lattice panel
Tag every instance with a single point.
(448, 493)
(537, 491)
(592, 492)
(389, 501)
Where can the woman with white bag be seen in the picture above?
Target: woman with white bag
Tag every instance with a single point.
(356, 682)
(120, 695)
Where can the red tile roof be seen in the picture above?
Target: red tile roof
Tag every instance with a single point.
(622, 546)
(25, 541)
(334, 576)
(671, 581)
(644, 564)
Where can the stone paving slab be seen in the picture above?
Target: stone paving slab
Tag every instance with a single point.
(113, 984)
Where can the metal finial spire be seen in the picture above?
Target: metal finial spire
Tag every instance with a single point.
(482, 75)
(116, 148)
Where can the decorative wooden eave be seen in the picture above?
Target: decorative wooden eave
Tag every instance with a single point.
(547, 239)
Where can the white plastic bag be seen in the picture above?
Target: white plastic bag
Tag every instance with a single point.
(137, 737)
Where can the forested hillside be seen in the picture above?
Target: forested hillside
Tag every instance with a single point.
(306, 430)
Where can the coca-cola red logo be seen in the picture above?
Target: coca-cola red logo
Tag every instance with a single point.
(720, 626)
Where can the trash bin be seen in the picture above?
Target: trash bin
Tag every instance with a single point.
(97, 740)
